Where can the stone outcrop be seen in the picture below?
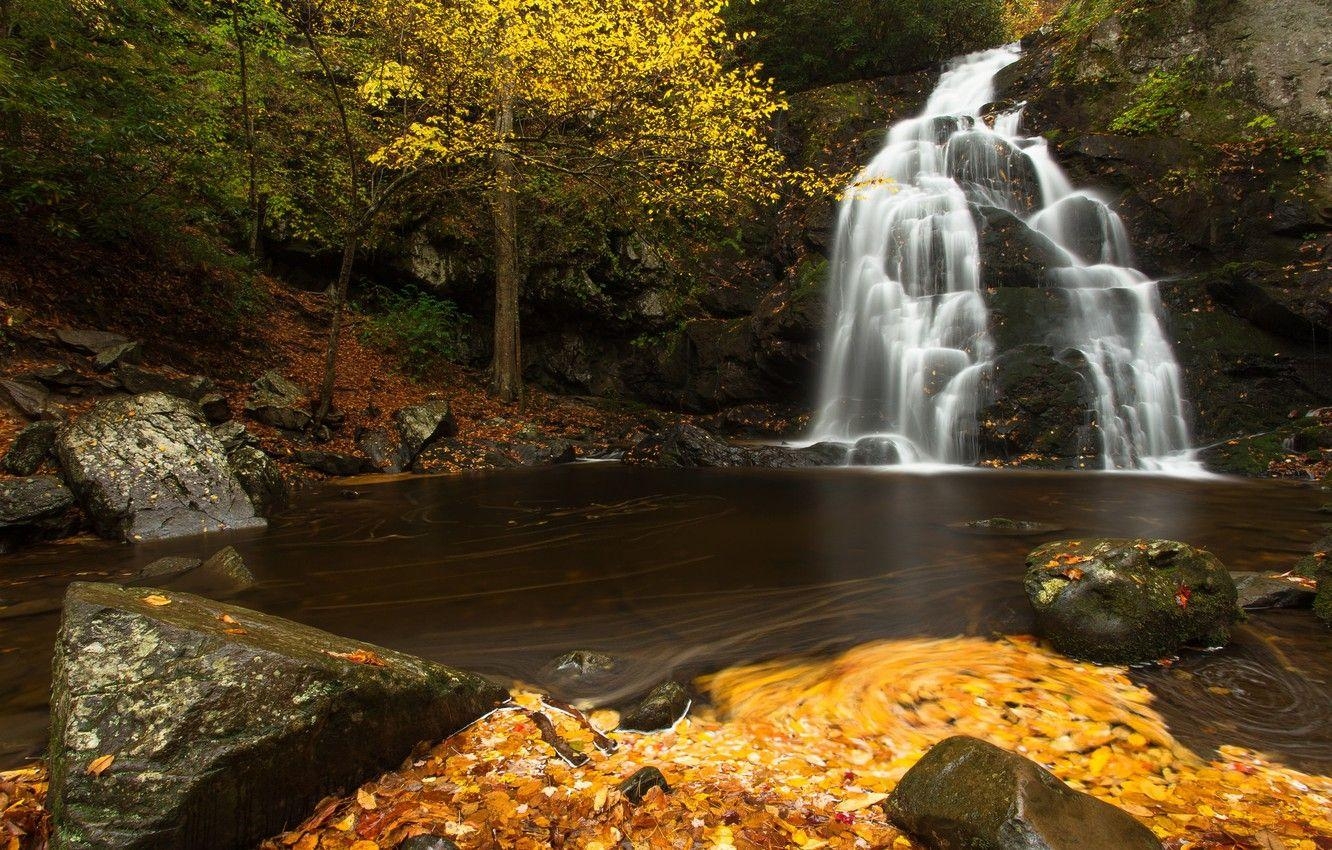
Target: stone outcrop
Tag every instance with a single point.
(190, 723)
(690, 446)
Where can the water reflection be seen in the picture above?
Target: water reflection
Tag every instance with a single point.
(689, 571)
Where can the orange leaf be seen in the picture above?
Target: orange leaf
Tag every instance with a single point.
(98, 766)
(360, 656)
(157, 599)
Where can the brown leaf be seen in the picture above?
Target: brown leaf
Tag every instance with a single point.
(236, 631)
(98, 766)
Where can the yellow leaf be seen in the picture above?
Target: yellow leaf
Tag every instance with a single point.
(860, 801)
(157, 599)
(366, 799)
(98, 766)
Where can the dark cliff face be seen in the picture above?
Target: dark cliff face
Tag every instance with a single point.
(1208, 122)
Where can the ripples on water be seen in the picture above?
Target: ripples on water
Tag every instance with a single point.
(689, 571)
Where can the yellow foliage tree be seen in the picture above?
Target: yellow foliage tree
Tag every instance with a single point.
(641, 98)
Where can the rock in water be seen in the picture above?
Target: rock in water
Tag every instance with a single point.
(148, 467)
(262, 479)
(1126, 601)
(966, 793)
(32, 509)
(690, 446)
(224, 725)
(664, 704)
(1260, 591)
(420, 425)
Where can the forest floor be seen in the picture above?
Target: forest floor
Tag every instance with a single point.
(189, 323)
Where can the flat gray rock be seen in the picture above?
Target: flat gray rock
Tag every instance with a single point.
(224, 725)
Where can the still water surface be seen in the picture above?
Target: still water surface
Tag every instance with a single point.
(687, 571)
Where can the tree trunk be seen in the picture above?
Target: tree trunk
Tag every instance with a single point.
(506, 368)
(337, 298)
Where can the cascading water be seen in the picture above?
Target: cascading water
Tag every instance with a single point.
(909, 358)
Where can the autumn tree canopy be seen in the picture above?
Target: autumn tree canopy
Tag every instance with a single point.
(639, 98)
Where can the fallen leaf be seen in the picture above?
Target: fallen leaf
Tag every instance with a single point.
(227, 618)
(366, 799)
(860, 801)
(157, 599)
(360, 656)
(237, 631)
(98, 766)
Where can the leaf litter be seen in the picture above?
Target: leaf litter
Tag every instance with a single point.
(802, 754)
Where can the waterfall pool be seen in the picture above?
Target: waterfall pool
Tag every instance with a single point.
(692, 571)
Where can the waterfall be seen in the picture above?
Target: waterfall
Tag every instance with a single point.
(909, 355)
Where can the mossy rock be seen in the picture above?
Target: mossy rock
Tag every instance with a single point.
(1117, 601)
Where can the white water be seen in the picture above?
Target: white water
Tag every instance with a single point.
(909, 358)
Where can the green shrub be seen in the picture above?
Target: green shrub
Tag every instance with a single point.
(422, 331)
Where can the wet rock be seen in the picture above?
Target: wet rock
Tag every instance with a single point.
(1259, 591)
(30, 449)
(426, 842)
(109, 357)
(875, 451)
(32, 509)
(966, 793)
(89, 341)
(199, 711)
(137, 379)
(148, 467)
(643, 780)
(163, 569)
(380, 449)
(990, 168)
(664, 704)
(29, 608)
(222, 576)
(1118, 601)
(278, 402)
(31, 398)
(690, 446)
(1005, 527)
(216, 409)
(581, 672)
(420, 425)
(1012, 253)
(333, 463)
(261, 478)
(1040, 408)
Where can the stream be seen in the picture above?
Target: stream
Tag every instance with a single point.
(690, 571)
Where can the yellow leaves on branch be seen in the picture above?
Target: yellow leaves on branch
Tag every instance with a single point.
(639, 94)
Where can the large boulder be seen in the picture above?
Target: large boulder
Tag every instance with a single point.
(1118, 601)
(32, 509)
(691, 446)
(420, 425)
(148, 467)
(224, 725)
(966, 793)
(89, 341)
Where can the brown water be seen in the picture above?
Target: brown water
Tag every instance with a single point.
(687, 571)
